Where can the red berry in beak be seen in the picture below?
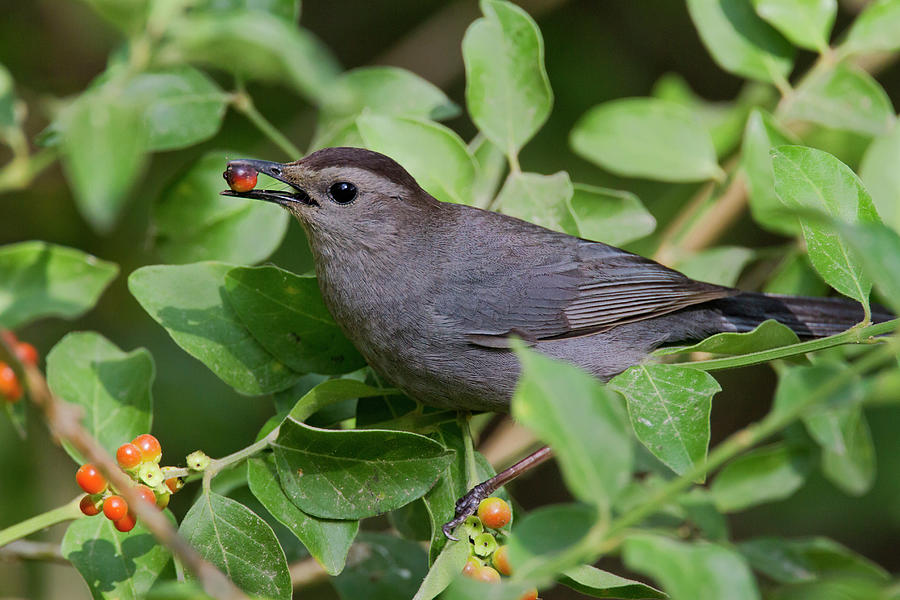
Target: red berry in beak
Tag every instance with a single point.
(240, 178)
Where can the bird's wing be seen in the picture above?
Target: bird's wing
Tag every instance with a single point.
(585, 288)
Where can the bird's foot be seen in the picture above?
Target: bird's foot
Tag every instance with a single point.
(467, 505)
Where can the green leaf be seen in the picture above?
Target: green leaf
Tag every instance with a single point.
(722, 265)
(40, 280)
(440, 501)
(192, 222)
(544, 534)
(446, 568)
(507, 90)
(127, 15)
(540, 199)
(810, 179)
(877, 248)
(768, 334)
(464, 588)
(258, 46)
(328, 541)
(286, 314)
(433, 154)
(612, 216)
(739, 41)
(181, 106)
(111, 387)
(763, 475)
(796, 276)
(875, 30)
(879, 172)
(646, 137)
(596, 583)
(114, 565)
(393, 91)
(331, 392)
(580, 419)
(806, 23)
(103, 146)
(391, 568)
(806, 559)
(848, 453)
(188, 300)
(669, 407)
(352, 474)
(288, 10)
(761, 135)
(843, 97)
(490, 167)
(8, 100)
(237, 541)
(691, 571)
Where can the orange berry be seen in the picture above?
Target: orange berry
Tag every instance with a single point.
(89, 506)
(10, 388)
(494, 512)
(471, 567)
(126, 523)
(27, 353)
(501, 560)
(128, 456)
(146, 493)
(115, 507)
(89, 479)
(149, 446)
(531, 594)
(487, 574)
(174, 484)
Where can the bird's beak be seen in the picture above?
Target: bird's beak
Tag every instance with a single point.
(275, 171)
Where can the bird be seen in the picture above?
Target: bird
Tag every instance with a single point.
(433, 293)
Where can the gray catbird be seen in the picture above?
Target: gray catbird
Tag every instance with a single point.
(431, 292)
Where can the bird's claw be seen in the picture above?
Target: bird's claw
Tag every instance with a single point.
(466, 506)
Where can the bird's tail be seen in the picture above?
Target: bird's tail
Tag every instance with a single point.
(808, 317)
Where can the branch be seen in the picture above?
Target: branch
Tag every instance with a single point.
(28, 550)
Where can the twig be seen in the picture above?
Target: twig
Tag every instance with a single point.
(29, 550)
(64, 420)
(306, 572)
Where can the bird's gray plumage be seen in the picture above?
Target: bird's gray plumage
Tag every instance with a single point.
(430, 292)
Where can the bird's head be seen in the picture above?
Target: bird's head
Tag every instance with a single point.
(341, 195)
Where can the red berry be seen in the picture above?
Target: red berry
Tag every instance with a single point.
(174, 484)
(126, 523)
(9, 338)
(494, 512)
(10, 388)
(128, 456)
(240, 178)
(146, 493)
(149, 446)
(530, 595)
(471, 567)
(487, 574)
(27, 353)
(90, 479)
(501, 560)
(115, 507)
(88, 506)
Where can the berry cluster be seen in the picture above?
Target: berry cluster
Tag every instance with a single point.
(10, 387)
(488, 559)
(140, 460)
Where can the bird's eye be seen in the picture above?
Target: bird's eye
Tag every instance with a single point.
(342, 192)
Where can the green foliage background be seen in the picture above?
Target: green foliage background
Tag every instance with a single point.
(595, 52)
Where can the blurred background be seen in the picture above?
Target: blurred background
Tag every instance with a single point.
(595, 51)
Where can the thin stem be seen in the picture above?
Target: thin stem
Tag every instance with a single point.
(855, 335)
(243, 103)
(67, 512)
(218, 464)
